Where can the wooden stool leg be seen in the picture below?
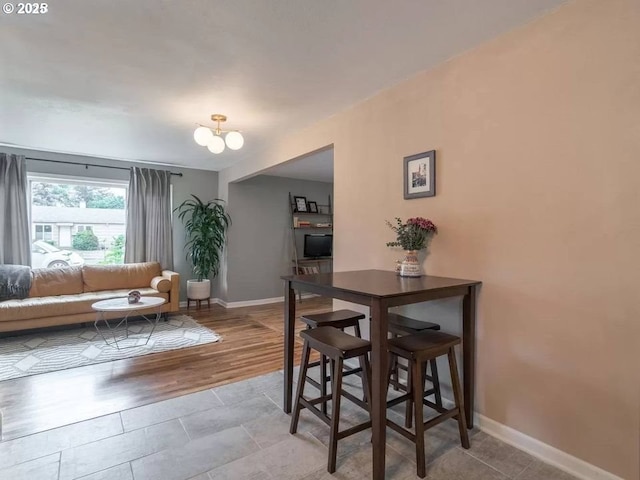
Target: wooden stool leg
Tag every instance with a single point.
(417, 392)
(366, 377)
(457, 395)
(357, 330)
(302, 378)
(323, 382)
(408, 412)
(435, 379)
(394, 367)
(336, 388)
(389, 371)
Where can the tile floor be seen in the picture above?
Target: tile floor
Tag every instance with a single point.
(239, 431)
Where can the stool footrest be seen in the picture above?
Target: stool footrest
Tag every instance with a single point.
(355, 400)
(353, 371)
(313, 382)
(403, 398)
(315, 401)
(441, 418)
(316, 383)
(395, 401)
(354, 429)
(405, 433)
(309, 406)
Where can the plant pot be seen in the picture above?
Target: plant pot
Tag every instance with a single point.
(410, 266)
(198, 290)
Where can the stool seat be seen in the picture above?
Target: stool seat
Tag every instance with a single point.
(426, 344)
(401, 325)
(335, 343)
(338, 319)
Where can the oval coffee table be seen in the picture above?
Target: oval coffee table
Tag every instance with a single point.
(123, 306)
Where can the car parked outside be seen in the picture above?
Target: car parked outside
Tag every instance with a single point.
(45, 255)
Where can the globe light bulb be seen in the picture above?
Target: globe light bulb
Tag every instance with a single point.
(234, 140)
(216, 144)
(202, 136)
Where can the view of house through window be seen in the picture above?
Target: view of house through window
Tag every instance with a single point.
(77, 223)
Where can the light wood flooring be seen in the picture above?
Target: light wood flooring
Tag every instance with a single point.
(252, 345)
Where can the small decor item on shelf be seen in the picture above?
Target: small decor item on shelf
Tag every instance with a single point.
(134, 296)
(313, 207)
(301, 204)
(414, 235)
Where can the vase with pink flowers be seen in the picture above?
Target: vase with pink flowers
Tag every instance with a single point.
(412, 236)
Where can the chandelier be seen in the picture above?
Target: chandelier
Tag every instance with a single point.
(212, 137)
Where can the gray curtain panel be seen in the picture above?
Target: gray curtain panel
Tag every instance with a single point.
(15, 241)
(149, 237)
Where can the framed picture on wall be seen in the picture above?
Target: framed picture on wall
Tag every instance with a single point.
(301, 204)
(313, 207)
(420, 175)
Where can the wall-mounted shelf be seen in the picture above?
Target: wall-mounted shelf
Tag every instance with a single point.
(313, 213)
(314, 260)
(310, 265)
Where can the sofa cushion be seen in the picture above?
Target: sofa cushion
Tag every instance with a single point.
(46, 282)
(110, 277)
(40, 307)
(162, 284)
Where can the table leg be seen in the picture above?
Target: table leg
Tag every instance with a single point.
(289, 333)
(379, 359)
(469, 352)
(153, 323)
(102, 316)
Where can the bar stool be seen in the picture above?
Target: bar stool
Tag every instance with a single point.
(418, 349)
(400, 325)
(337, 346)
(340, 319)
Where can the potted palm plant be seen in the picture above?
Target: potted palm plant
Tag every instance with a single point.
(206, 226)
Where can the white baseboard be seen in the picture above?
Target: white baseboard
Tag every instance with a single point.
(249, 303)
(260, 301)
(548, 454)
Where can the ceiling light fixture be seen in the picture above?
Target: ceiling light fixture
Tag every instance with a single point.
(212, 137)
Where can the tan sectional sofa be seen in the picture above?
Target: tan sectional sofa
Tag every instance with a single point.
(61, 296)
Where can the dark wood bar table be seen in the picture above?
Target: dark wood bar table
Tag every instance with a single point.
(380, 290)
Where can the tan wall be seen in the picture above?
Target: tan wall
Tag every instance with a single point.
(538, 144)
(538, 141)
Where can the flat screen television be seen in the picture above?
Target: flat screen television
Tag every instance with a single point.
(318, 245)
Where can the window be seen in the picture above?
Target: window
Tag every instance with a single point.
(77, 221)
(44, 232)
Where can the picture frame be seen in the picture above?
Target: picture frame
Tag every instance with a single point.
(313, 207)
(420, 175)
(301, 204)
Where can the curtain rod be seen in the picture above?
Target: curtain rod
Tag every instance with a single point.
(87, 165)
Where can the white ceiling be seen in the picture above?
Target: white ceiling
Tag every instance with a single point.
(129, 79)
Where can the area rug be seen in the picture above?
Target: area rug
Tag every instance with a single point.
(44, 351)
